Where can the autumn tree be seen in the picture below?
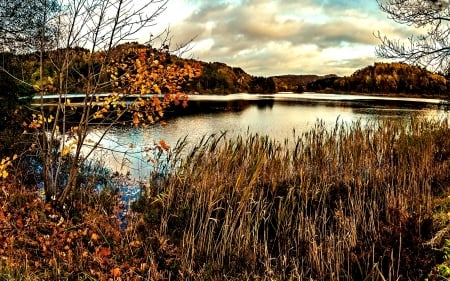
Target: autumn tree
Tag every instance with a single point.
(140, 80)
(431, 18)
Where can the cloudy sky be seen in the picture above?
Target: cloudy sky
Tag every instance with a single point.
(272, 37)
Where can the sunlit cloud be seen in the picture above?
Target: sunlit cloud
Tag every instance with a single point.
(267, 37)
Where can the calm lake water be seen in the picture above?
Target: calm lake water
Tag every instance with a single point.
(275, 115)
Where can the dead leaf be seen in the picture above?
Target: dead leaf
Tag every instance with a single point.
(135, 243)
(94, 236)
(103, 252)
(164, 145)
(115, 272)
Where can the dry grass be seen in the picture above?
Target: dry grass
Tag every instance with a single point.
(351, 203)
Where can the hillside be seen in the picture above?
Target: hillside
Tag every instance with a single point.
(217, 77)
(296, 83)
(386, 78)
(380, 78)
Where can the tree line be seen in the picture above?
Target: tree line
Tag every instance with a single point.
(386, 78)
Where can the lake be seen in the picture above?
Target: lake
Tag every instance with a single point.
(277, 115)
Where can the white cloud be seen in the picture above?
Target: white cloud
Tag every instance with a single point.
(267, 37)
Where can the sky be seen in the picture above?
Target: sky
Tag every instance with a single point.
(267, 38)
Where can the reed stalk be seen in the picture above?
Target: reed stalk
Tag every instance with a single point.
(348, 203)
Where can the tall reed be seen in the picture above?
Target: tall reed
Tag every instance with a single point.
(348, 203)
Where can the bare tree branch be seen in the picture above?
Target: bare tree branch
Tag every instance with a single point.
(432, 48)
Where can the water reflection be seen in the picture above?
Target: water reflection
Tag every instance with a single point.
(273, 115)
(263, 103)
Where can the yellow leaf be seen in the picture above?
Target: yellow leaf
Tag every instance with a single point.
(98, 115)
(156, 89)
(94, 236)
(135, 243)
(135, 119)
(65, 151)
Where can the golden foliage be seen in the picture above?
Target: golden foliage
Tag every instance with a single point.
(149, 82)
(5, 163)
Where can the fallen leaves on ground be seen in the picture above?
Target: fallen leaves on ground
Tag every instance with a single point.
(38, 238)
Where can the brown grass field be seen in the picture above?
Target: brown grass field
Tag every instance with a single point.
(354, 202)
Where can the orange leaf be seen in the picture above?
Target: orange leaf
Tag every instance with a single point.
(84, 232)
(143, 266)
(135, 119)
(115, 272)
(103, 252)
(52, 262)
(19, 223)
(164, 145)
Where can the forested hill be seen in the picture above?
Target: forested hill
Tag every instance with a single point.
(209, 78)
(216, 77)
(386, 78)
(380, 78)
(296, 83)
(219, 78)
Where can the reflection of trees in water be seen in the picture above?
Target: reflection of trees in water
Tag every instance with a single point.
(237, 105)
(196, 107)
(265, 103)
(394, 108)
(364, 103)
(383, 112)
(199, 107)
(360, 106)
